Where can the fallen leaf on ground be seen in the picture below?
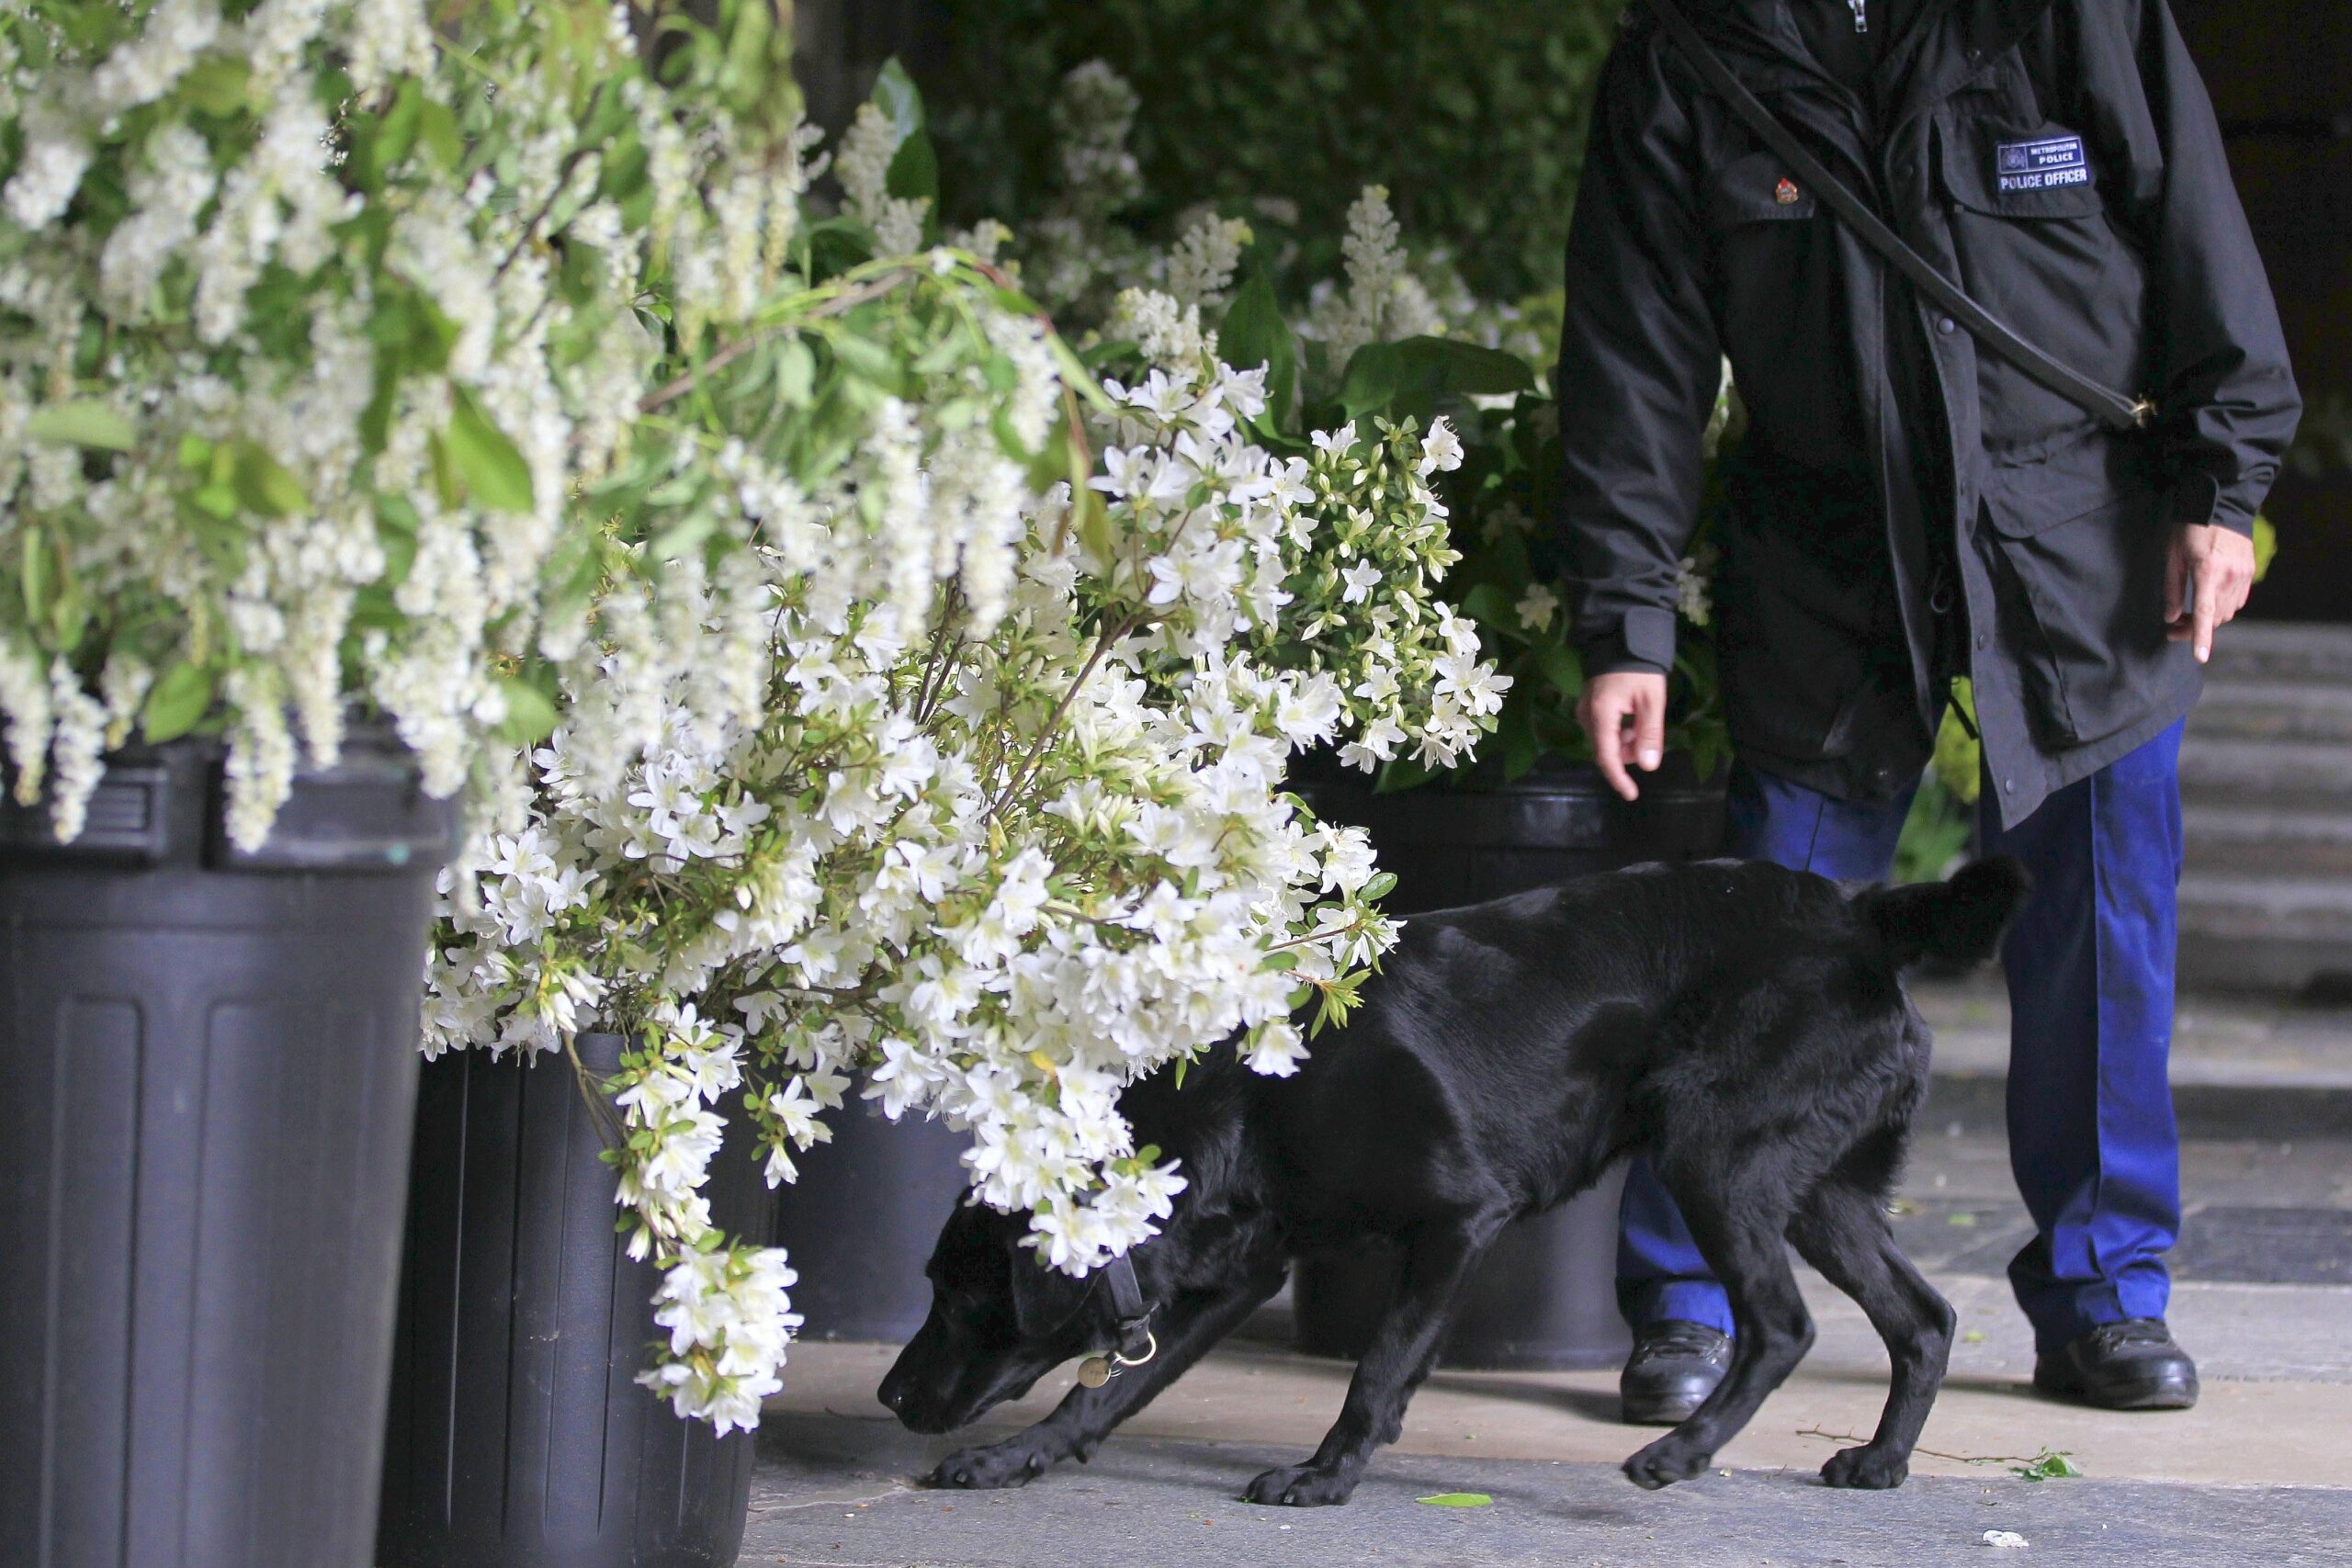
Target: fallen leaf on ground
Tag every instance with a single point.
(2050, 1464)
(1457, 1500)
(2007, 1538)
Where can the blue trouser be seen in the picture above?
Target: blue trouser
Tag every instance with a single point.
(2090, 969)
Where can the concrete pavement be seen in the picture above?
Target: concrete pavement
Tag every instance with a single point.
(2261, 1471)
(831, 1491)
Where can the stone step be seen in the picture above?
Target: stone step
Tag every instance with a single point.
(2268, 908)
(2293, 650)
(2276, 710)
(2241, 932)
(2283, 774)
(2250, 840)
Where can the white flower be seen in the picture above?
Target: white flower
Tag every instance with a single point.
(1536, 607)
(1441, 450)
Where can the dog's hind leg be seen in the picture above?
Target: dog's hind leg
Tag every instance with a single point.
(1772, 1329)
(1841, 1230)
(1185, 1330)
(1438, 1259)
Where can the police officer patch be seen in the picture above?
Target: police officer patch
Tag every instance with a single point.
(2038, 165)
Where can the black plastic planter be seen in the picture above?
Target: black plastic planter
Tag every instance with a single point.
(211, 1059)
(901, 1179)
(1545, 1297)
(519, 1435)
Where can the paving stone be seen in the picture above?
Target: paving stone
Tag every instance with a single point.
(832, 1490)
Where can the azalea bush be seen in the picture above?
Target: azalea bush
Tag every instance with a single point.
(929, 734)
(1292, 106)
(314, 329)
(1393, 335)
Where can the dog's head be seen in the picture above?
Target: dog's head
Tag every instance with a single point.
(1000, 1320)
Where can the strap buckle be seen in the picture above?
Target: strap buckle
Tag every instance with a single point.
(2144, 411)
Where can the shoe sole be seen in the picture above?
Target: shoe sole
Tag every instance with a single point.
(1655, 1413)
(2166, 1393)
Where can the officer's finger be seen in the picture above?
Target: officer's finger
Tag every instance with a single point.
(2206, 614)
(2237, 586)
(1649, 726)
(1609, 745)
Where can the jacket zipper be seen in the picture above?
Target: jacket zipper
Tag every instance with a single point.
(1861, 15)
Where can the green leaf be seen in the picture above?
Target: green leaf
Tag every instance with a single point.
(530, 712)
(914, 170)
(2051, 1464)
(896, 94)
(436, 127)
(264, 485)
(83, 422)
(1521, 747)
(1254, 334)
(37, 575)
(176, 702)
(1406, 378)
(796, 373)
(216, 85)
(1561, 667)
(1381, 886)
(1094, 526)
(491, 464)
(401, 123)
(1489, 605)
(1457, 1500)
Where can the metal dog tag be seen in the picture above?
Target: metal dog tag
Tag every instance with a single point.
(1094, 1371)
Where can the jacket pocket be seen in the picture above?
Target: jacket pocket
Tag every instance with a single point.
(2079, 534)
(2037, 247)
(2021, 173)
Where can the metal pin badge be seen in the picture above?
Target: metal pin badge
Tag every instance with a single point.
(1786, 192)
(1094, 1371)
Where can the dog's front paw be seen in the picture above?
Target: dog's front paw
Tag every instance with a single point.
(1867, 1469)
(1300, 1486)
(1666, 1462)
(1013, 1463)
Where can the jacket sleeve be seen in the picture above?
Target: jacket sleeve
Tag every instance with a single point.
(1639, 367)
(2225, 396)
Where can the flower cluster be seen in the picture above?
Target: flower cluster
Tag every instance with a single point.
(998, 831)
(312, 344)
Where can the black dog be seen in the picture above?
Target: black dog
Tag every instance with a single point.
(1743, 1023)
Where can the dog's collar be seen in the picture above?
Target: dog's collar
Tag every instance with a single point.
(1132, 1313)
(1132, 1343)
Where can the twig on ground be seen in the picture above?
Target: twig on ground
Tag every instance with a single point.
(1932, 1453)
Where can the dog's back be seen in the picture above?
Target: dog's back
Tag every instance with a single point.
(1534, 1039)
(1743, 1024)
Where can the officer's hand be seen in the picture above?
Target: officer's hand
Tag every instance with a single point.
(1625, 715)
(2219, 564)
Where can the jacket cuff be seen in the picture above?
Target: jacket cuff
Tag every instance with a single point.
(1642, 640)
(2197, 501)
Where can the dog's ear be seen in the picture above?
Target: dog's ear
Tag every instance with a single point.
(1043, 1299)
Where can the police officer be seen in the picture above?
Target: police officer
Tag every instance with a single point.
(1909, 506)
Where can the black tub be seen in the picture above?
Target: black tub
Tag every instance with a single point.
(1545, 1296)
(519, 1435)
(211, 1059)
(901, 1179)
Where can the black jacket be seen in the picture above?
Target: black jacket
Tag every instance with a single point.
(1906, 507)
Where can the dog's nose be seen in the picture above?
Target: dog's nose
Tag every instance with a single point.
(893, 1394)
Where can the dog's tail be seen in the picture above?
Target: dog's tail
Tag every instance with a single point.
(1957, 922)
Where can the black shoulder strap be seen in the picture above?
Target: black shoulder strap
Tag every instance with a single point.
(2110, 408)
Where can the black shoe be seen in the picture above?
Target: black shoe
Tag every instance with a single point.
(2131, 1365)
(1675, 1365)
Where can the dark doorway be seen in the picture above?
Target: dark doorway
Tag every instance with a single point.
(2280, 73)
